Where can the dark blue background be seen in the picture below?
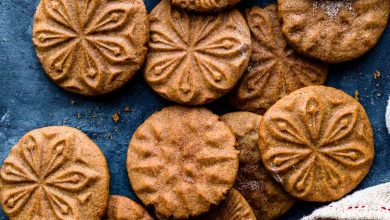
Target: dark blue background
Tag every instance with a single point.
(28, 99)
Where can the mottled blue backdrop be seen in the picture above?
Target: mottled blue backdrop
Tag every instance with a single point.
(28, 99)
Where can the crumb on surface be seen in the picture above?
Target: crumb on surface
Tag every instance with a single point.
(116, 117)
(78, 115)
(127, 109)
(356, 95)
(377, 74)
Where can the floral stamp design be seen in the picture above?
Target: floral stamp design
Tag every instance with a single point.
(47, 177)
(275, 69)
(195, 59)
(317, 142)
(90, 46)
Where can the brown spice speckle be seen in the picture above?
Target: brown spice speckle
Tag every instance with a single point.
(127, 109)
(116, 117)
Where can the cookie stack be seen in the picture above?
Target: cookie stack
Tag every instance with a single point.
(313, 143)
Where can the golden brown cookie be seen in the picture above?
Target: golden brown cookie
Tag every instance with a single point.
(317, 142)
(275, 69)
(234, 207)
(204, 5)
(333, 30)
(91, 47)
(267, 197)
(195, 59)
(123, 208)
(54, 173)
(182, 160)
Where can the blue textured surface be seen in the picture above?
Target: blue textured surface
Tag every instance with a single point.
(28, 100)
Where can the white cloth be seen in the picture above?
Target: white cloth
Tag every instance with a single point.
(372, 203)
(388, 116)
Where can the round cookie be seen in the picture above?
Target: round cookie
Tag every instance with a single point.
(195, 59)
(123, 208)
(275, 69)
(233, 207)
(317, 142)
(54, 173)
(91, 47)
(181, 161)
(333, 30)
(204, 6)
(267, 198)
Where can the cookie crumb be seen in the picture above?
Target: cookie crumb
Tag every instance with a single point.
(116, 117)
(356, 95)
(78, 115)
(377, 74)
(127, 109)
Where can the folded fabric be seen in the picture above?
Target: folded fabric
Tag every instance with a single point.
(372, 203)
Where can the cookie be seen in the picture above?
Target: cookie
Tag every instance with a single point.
(267, 198)
(275, 69)
(123, 208)
(54, 173)
(195, 59)
(204, 6)
(181, 161)
(234, 207)
(333, 30)
(91, 47)
(317, 142)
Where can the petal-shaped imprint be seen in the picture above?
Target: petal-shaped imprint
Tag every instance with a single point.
(256, 79)
(58, 11)
(92, 77)
(340, 125)
(163, 68)
(223, 47)
(283, 159)
(260, 24)
(73, 179)
(112, 17)
(14, 172)
(56, 159)
(314, 116)
(285, 130)
(332, 175)
(15, 199)
(306, 73)
(205, 28)
(86, 10)
(50, 37)
(186, 89)
(179, 23)
(32, 155)
(113, 49)
(60, 204)
(62, 62)
(351, 154)
(212, 73)
(302, 179)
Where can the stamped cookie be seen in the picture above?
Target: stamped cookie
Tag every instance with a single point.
(123, 208)
(195, 59)
(275, 69)
(205, 5)
(233, 207)
(267, 197)
(333, 30)
(54, 173)
(182, 160)
(91, 47)
(317, 142)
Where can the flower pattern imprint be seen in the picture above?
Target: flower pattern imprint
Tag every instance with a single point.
(322, 144)
(195, 59)
(275, 70)
(48, 185)
(86, 46)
